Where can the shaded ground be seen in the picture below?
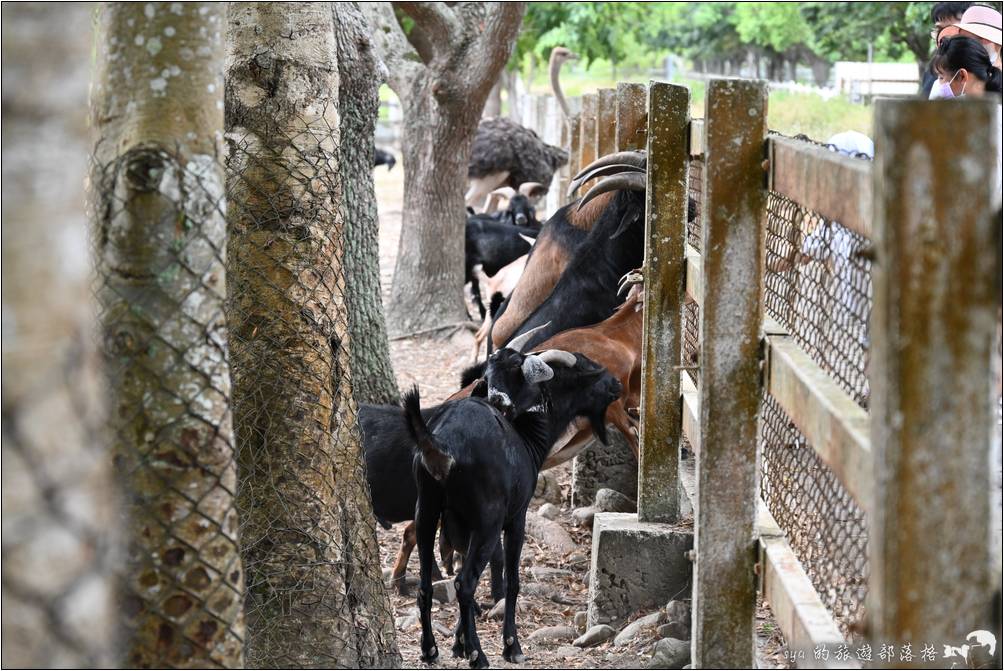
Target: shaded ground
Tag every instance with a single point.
(435, 364)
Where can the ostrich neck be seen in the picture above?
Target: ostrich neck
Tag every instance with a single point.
(555, 67)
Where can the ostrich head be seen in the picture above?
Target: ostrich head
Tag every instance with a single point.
(558, 56)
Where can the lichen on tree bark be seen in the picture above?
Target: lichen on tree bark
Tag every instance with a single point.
(159, 232)
(315, 591)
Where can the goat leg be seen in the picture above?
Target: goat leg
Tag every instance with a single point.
(408, 540)
(481, 548)
(426, 521)
(514, 537)
(618, 416)
(498, 579)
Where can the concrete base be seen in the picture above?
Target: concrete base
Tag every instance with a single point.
(636, 565)
(598, 466)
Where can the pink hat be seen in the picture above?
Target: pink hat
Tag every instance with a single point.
(983, 22)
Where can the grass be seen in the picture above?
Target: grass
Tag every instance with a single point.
(789, 113)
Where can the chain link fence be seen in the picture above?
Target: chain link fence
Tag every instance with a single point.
(818, 287)
(315, 594)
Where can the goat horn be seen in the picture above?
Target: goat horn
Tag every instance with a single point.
(557, 356)
(505, 192)
(529, 188)
(517, 343)
(633, 181)
(602, 171)
(530, 240)
(637, 159)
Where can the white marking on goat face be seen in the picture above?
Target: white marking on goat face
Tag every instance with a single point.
(499, 397)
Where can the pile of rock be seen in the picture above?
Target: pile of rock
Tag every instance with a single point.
(606, 501)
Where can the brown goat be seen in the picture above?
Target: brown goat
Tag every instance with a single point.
(545, 265)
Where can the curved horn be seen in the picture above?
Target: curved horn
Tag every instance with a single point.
(636, 158)
(532, 189)
(530, 240)
(519, 341)
(602, 171)
(633, 181)
(505, 192)
(557, 356)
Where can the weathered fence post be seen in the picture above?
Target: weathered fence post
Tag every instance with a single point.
(606, 122)
(665, 239)
(735, 125)
(936, 285)
(632, 116)
(587, 130)
(573, 128)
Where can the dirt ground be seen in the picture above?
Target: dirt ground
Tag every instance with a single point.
(435, 364)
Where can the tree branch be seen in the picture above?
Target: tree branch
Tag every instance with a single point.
(494, 43)
(440, 26)
(403, 64)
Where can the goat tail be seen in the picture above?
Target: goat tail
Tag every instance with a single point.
(434, 459)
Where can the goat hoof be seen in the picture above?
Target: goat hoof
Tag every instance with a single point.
(402, 586)
(431, 656)
(513, 654)
(458, 649)
(478, 660)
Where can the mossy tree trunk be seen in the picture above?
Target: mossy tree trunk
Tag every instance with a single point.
(315, 591)
(358, 101)
(159, 232)
(442, 71)
(58, 508)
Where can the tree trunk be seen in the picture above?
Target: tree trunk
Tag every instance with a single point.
(427, 290)
(493, 106)
(58, 509)
(160, 234)
(442, 72)
(315, 591)
(358, 100)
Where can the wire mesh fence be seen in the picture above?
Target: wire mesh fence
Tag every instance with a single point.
(315, 594)
(818, 287)
(691, 310)
(159, 238)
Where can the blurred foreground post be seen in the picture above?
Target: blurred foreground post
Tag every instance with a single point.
(58, 507)
(937, 300)
(159, 235)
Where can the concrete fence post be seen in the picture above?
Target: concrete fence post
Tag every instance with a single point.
(665, 266)
(587, 130)
(606, 122)
(735, 126)
(632, 116)
(936, 280)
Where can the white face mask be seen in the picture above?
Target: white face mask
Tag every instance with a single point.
(944, 89)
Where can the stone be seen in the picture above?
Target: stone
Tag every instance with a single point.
(568, 651)
(600, 465)
(548, 487)
(674, 630)
(441, 629)
(678, 611)
(610, 501)
(498, 610)
(580, 621)
(584, 516)
(406, 622)
(628, 633)
(600, 633)
(550, 533)
(548, 511)
(444, 591)
(556, 634)
(670, 653)
(635, 566)
(387, 573)
(545, 572)
(549, 592)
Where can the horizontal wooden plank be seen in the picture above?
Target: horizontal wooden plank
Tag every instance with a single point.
(836, 186)
(694, 274)
(797, 608)
(697, 137)
(691, 411)
(835, 426)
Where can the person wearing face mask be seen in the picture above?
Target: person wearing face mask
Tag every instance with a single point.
(964, 69)
(984, 25)
(944, 15)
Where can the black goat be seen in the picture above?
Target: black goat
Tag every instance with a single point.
(381, 157)
(388, 448)
(477, 467)
(520, 212)
(492, 245)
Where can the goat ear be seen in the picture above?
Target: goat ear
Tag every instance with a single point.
(599, 426)
(480, 389)
(629, 218)
(535, 370)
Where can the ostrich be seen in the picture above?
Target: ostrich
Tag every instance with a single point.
(558, 57)
(507, 154)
